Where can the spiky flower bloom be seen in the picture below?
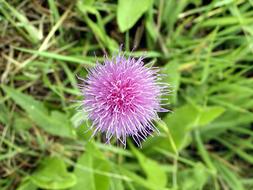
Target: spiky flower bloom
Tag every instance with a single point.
(122, 97)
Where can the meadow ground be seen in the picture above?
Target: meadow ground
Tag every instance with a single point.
(205, 47)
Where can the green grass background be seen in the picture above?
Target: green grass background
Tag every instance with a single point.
(205, 47)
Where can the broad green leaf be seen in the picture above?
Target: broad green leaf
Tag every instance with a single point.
(155, 174)
(22, 123)
(193, 179)
(53, 174)
(82, 124)
(175, 126)
(227, 121)
(55, 123)
(78, 118)
(167, 138)
(196, 2)
(129, 11)
(27, 184)
(89, 169)
(139, 180)
(179, 123)
(116, 184)
(207, 115)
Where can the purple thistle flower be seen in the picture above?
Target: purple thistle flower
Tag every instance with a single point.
(122, 98)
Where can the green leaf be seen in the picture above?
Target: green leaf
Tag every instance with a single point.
(139, 180)
(4, 114)
(27, 184)
(22, 123)
(173, 79)
(116, 184)
(89, 169)
(78, 118)
(129, 11)
(228, 120)
(55, 123)
(53, 174)
(150, 25)
(179, 122)
(52, 55)
(82, 124)
(171, 12)
(155, 174)
(209, 114)
(193, 179)
(178, 125)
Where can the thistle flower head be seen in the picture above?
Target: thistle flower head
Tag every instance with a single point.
(122, 97)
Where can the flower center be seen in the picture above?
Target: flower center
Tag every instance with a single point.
(121, 96)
